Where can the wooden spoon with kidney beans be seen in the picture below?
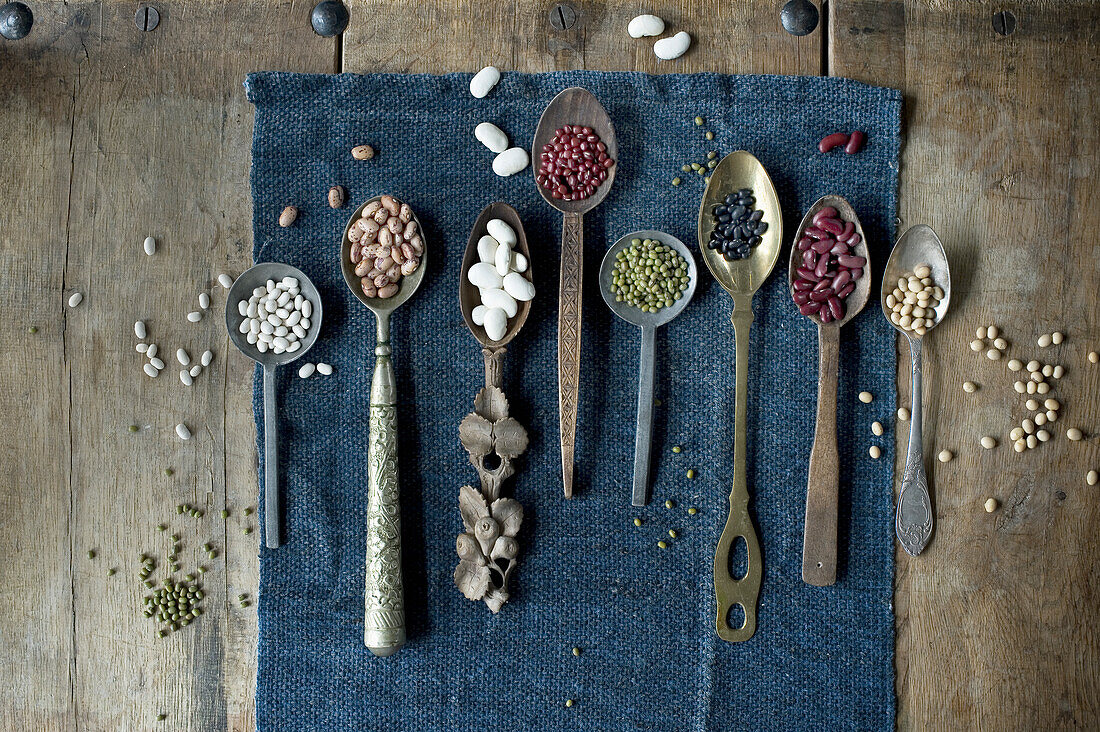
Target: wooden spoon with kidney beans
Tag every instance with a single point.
(830, 283)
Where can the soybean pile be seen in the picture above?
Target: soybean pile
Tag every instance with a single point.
(649, 275)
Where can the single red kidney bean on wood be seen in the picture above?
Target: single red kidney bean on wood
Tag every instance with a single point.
(837, 139)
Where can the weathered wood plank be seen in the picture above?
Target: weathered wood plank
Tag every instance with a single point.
(464, 35)
(38, 76)
(996, 620)
(160, 136)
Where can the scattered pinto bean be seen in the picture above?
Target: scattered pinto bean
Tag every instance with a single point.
(337, 195)
(362, 152)
(286, 218)
(837, 139)
(855, 142)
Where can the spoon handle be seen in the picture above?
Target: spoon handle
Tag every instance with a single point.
(822, 488)
(914, 514)
(643, 430)
(384, 602)
(569, 339)
(746, 590)
(271, 461)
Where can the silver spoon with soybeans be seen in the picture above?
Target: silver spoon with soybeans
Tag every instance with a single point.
(916, 292)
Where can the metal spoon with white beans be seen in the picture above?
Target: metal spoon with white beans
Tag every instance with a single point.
(918, 246)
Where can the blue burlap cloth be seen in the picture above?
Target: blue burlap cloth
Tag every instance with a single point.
(822, 658)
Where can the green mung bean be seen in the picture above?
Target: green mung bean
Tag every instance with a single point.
(32, 330)
(179, 508)
(676, 181)
(699, 121)
(710, 135)
(677, 449)
(663, 544)
(648, 275)
(133, 428)
(637, 522)
(225, 513)
(169, 472)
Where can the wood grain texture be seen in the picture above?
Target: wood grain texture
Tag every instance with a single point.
(997, 618)
(109, 135)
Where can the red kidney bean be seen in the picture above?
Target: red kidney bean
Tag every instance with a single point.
(809, 259)
(822, 246)
(801, 298)
(837, 139)
(855, 142)
(846, 290)
(821, 295)
(853, 240)
(849, 260)
(857, 272)
(824, 283)
(849, 227)
(826, 213)
(832, 226)
(822, 267)
(816, 233)
(842, 278)
(800, 285)
(807, 274)
(810, 308)
(825, 315)
(835, 307)
(839, 248)
(804, 243)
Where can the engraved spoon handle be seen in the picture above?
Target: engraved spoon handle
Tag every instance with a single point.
(384, 603)
(914, 513)
(569, 340)
(727, 590)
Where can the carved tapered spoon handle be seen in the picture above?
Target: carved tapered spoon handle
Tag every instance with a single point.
(569, 340)
(822, 487)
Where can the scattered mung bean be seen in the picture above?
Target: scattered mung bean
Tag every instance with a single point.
(669, 503)
(637, 522)
(692, 511)
(663, 544)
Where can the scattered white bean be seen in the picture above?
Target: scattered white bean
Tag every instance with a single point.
(970, 387)
(1031, 404)
(1033, 366)
(185, 377)
(483, 82)
(990, 505)
(225, 280)
(1043, 435)
(1048, 370)
(324, 369)
(1015, 364)
(183, 357)
(1042, 388)
(993, 354)
(1019, 445)
(204, 301)
(1052, 416)
(645, 25)
(1052, 404)
(876, 429)
(75, 299)
(945, 456)
(875, 452)
(989, 442)
(1074, 434)
(866, 397)
(510, 162)
(1020, 387)
(152, 350)
(150, 245)
(207, 357)
(1028, 426)
(491, 137)
(142, 347)
(1059, 371)
(1094, 357)
(1000, 344)
(306, 370)
(981, 332)
(992, 331)
(1044, 341)
(139, 328)
(183, 432)
(1016, 433)
(1056, 337)
(150, 370)
(1031, 441)
(667, 49)
(903, 414)
(977, 345)
(1091, 477)
(194, 316)
(195, 370)
(157, 364)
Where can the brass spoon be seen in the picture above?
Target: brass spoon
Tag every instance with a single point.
(918, 245)
(384, 618)
(574, 106)
(819, 538)
(649, 323)
(490, 405)
(741, 279)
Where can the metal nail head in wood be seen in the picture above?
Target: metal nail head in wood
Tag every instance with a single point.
(147, 18)
(1004, 23)
(562, 16)
(16, 20)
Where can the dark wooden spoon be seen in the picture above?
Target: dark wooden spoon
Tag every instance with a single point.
(574, 106)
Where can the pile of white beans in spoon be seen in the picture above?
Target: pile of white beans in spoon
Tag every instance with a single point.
(276, 316)
(499, 278)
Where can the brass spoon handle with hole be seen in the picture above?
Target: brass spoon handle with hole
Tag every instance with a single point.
(569, 340)
(822, 487)
(727, 590)
(384, 601)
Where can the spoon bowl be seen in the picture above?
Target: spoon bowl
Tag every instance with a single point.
(648, 322)
(384, 593)
(918, 245)
(468, 295)
(573, 106)
(242, 289)
(857, 299)
(740, 278)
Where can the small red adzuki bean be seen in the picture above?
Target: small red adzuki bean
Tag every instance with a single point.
(855, 142)
(837, 139)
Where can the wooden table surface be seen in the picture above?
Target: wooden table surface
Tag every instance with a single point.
(109, 133)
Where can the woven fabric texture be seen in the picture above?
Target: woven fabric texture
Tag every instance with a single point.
(822, 658)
